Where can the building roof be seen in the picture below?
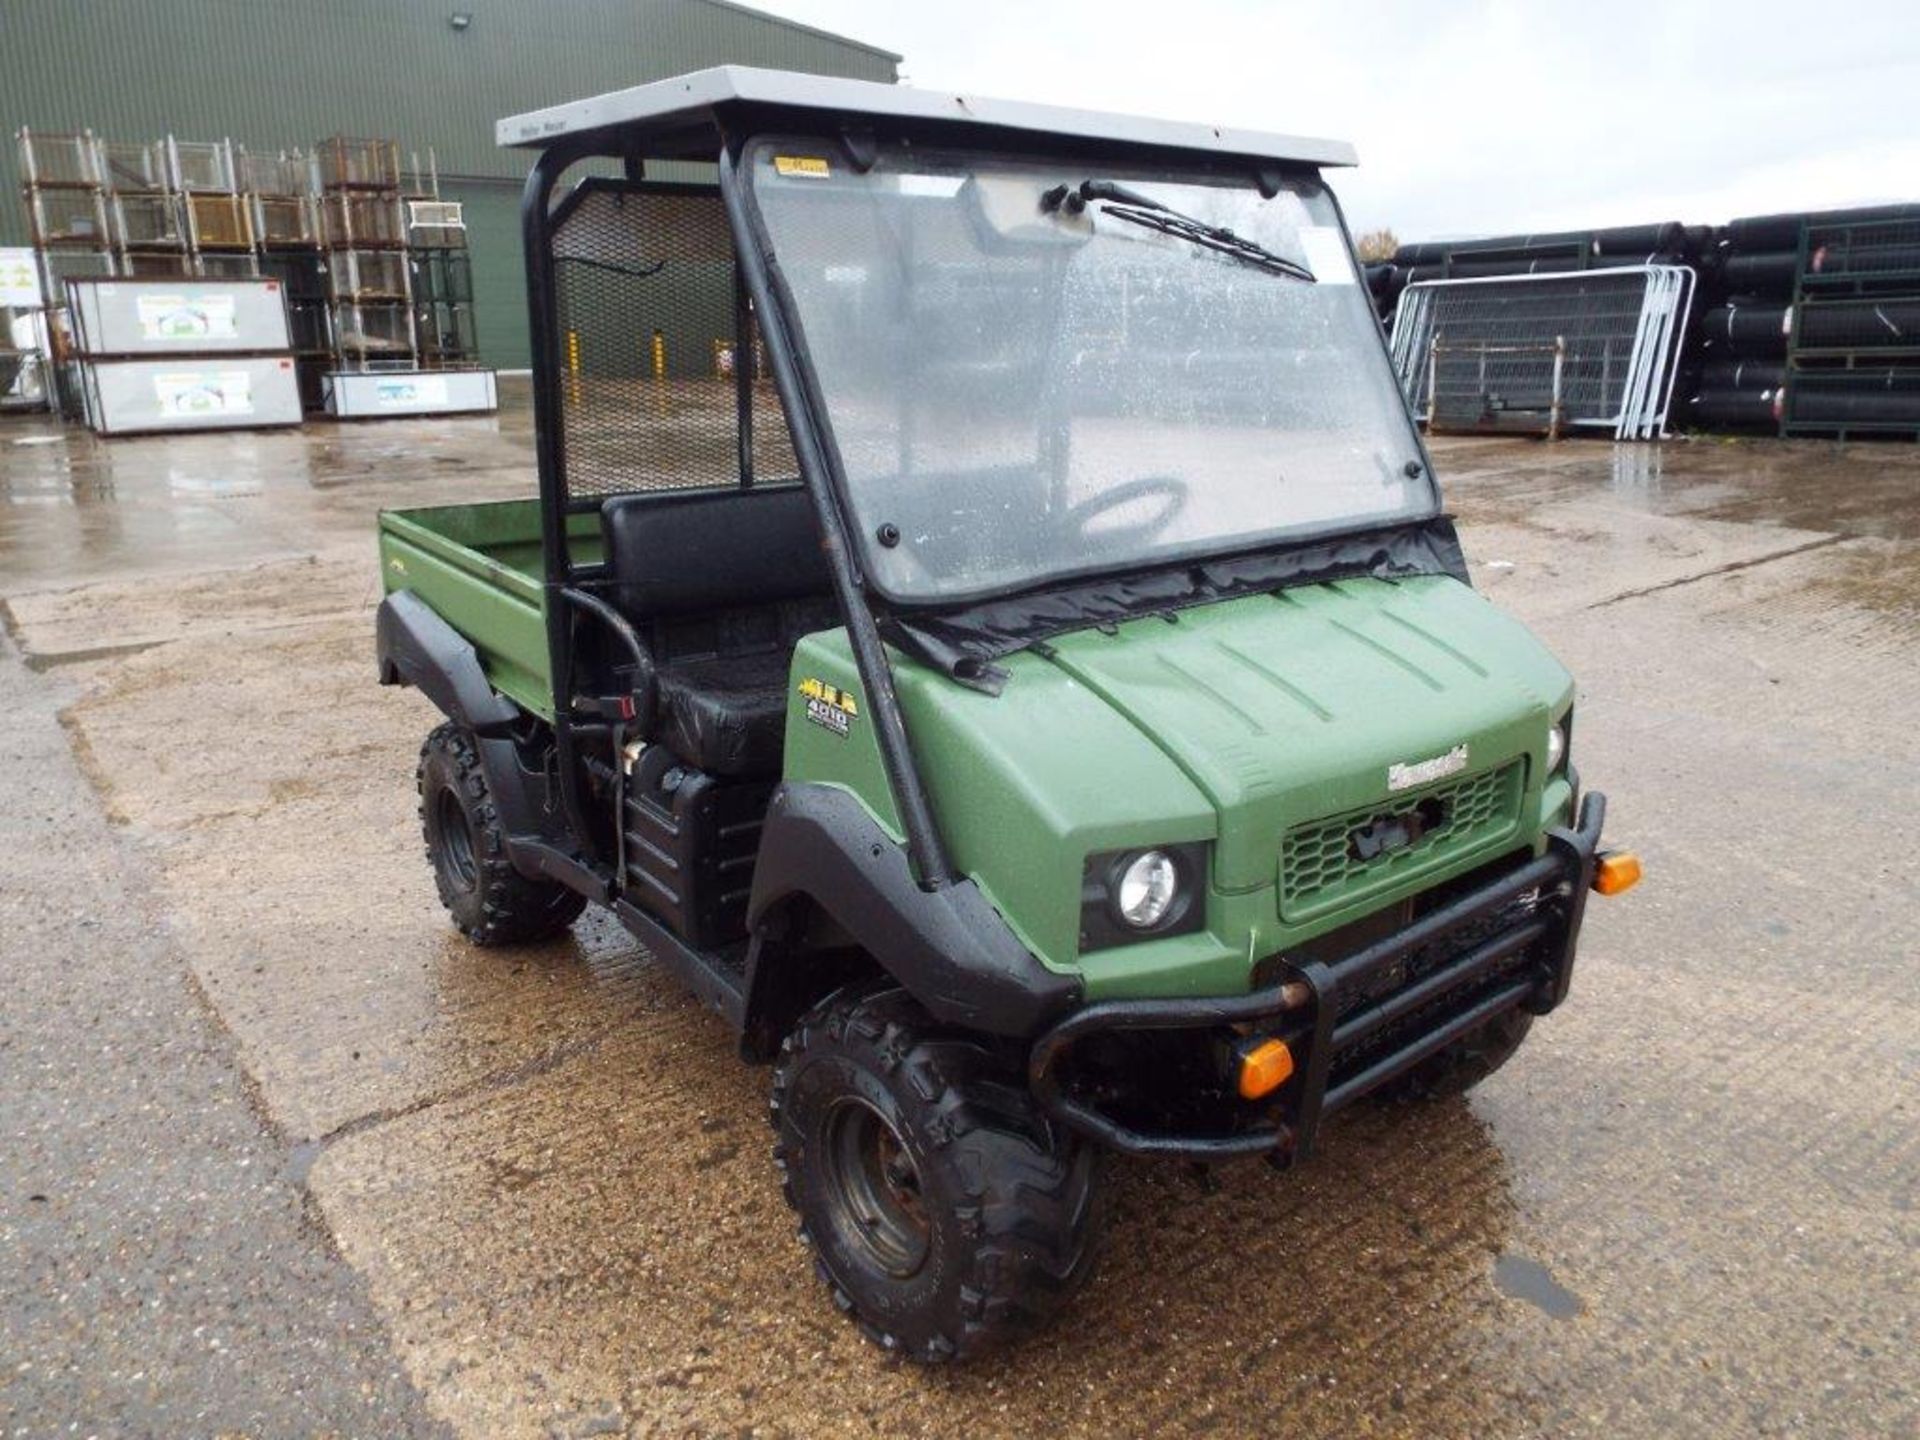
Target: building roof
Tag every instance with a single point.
(694, 99)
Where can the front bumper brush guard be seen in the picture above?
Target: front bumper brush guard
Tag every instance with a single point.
(1315, 988)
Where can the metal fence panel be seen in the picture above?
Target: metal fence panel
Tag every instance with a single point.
(1589, 350)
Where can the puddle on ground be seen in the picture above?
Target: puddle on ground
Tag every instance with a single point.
(1518, 1278)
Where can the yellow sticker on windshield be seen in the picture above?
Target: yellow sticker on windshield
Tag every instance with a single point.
(810, 167)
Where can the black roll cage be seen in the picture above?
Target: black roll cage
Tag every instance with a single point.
(759, 282)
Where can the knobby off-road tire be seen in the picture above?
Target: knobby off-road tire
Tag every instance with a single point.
(1466, 1062)
(491, 902)
(945, 1214)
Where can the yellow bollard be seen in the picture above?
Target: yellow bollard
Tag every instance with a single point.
(573, 364)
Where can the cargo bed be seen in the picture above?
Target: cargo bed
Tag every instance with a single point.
(478, 567)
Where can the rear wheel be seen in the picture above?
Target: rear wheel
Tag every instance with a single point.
(1465, 1063)
(491, 902)
(944, 1211)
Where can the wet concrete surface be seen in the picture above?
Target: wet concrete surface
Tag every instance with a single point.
(159, 1275)
(1685, 1208)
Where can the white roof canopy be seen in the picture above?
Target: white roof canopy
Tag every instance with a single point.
(690, 100)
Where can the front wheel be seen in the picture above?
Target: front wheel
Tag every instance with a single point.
(945, 1213)
(491, 902)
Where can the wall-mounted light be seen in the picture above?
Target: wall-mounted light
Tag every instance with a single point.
(460, 19)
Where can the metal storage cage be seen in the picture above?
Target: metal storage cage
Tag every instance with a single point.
(1853, 348)
(58, 161)
(218, 222)
(368, 274)
(347, 163)
(303, 274)
(147, 221)
(227, 265)
(308, 329)
(75, 217)
(443, 275)
(287, 173)
(373, 333)
(436, 224)
(286, 222)
(203, 166)
(59, 266)
(159, 264)
(132, 166)
(352, 220)
(446, 334)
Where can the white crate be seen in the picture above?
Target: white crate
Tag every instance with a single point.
(361, 396)
(139, 397)
(170, 316)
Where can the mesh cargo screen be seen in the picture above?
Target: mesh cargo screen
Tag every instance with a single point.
(644, 305)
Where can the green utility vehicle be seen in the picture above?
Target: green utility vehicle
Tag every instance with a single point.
(988, 623)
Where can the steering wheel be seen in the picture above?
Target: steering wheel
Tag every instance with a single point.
(1077, 523)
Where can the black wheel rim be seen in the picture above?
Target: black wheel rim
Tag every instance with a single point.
(873, 1189)
(456, 841)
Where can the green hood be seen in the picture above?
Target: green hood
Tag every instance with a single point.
(1266, 725)
(1293, 706)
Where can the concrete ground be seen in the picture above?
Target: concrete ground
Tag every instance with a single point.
(281, 1155)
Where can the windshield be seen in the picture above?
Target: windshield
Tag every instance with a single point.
(1023, 390)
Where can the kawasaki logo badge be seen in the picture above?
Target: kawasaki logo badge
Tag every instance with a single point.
(829, 707)
(1424, 772)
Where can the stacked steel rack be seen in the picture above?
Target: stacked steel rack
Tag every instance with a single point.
(66, 206)
(1853, 348)
(373, 264)
(283, 202)
(363, 230)
(149, 228)
(219, 229)
(441, 272)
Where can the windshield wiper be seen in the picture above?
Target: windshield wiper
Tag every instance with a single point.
(1143, 210)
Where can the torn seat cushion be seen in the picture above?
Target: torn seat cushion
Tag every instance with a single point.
(723, 585)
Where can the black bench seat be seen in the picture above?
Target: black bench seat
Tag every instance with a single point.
(721, 585)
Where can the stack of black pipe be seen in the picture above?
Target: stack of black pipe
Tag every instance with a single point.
(1733, 373)
(1667, 242)
(1853, 349)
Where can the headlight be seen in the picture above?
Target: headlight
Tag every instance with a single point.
(1556, 748)
(1131, 895)
(1147, 889)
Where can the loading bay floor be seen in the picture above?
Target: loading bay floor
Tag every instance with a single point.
(281, 1155)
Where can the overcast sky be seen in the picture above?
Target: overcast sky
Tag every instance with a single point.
(1476, 116)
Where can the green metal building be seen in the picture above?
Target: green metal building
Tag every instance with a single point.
(428, 73)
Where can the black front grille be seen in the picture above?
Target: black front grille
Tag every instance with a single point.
(1416, 967)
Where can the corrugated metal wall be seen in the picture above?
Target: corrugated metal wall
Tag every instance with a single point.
(273, 73)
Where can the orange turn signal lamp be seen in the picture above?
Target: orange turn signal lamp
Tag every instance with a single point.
(1617, 872)
(1264, 1068)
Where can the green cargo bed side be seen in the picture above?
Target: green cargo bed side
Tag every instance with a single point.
(479, 568)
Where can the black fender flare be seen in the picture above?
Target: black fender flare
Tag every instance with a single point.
(414, 646)
(948, 947)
